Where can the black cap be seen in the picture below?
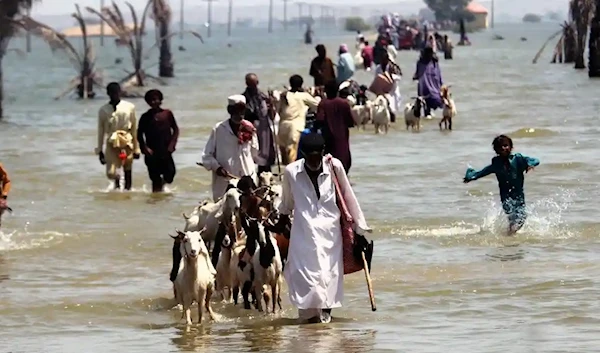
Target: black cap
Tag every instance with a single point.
(312, 143)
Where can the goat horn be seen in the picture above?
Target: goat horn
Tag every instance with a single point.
(173, 237)
(184, 216)
(179, 232)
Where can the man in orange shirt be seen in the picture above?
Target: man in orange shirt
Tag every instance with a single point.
(4, 189)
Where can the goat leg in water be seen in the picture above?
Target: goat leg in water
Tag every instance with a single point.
(245, 292)
(236, 293)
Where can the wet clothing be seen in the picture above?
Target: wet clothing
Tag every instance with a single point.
(4, 182)
(292, 111)
(510, 181)
(314, 270)
(367, 55)
(430, 83)
(257, 112)
(158, 131)
(223, 149)
(321, 69)
(345, 68)
(118, 124)
(335, 116)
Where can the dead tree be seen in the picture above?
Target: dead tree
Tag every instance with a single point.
(84, 61)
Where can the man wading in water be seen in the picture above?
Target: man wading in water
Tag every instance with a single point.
(4, 190)
(258, 107)
(314, 270)
(334, 116)
(117, 120)
(229, 152)
(157, 135)
(321, 67)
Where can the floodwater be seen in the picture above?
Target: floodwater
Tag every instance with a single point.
(85, 269)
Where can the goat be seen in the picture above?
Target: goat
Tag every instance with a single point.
(224, 259)
(381, 114)
(449, 110)
(362, 114)
(412, 113)
(207, 216)
(266, 263)
(265, 179)
(196, 276)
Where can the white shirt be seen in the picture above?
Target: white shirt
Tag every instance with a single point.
(314, 271)
(224, 150)
(111, 120)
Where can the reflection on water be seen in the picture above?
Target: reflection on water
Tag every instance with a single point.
(507, 253)
(281, 335)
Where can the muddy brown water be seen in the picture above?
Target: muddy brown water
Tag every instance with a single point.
(84, 269)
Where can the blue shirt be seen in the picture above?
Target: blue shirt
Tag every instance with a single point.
(345, 68)
(510, 178)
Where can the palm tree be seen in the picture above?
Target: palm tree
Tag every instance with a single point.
(161, 14)
(84, 61)
(10, 10)
(581, 11)
(594, 44)
(130, 37)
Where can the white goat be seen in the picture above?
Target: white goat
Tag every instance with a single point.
(265, 179)
(196, 276)
(449, 110)
(362, 114)
(207, 216)
(382, 117)
(224, 273)
(267, 266)
(412, 113)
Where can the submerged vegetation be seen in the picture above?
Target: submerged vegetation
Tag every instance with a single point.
(573, 40)
(84, 61)
(10, 13)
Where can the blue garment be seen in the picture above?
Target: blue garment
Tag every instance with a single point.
(510, 181)
(345, 68)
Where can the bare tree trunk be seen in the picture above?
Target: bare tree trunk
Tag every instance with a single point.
(165, 68)
(594, 44)
(570, 47)
(1, 83)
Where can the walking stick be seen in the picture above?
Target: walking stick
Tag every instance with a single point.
(272, 128)
(369, 284)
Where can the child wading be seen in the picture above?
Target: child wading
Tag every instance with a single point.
(509, 169)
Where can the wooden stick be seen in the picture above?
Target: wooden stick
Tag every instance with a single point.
(202, 165)
(369, 284)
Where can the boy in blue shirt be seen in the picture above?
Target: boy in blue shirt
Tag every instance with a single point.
(509, 169)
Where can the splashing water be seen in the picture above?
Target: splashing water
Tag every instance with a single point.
(19, 240)
(544, 217)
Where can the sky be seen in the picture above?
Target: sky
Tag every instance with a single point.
(258, 8)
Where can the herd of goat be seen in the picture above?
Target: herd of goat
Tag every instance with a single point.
(246, 253)
(376, 110)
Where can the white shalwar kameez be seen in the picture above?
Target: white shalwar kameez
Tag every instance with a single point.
(315, 271)
(394, 97)
(224, 150)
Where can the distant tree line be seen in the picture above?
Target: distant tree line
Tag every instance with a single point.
(452, 10)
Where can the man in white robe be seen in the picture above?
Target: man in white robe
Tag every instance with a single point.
(314, 270)
(231, 149)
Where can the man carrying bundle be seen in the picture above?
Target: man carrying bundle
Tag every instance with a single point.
(116, 119)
